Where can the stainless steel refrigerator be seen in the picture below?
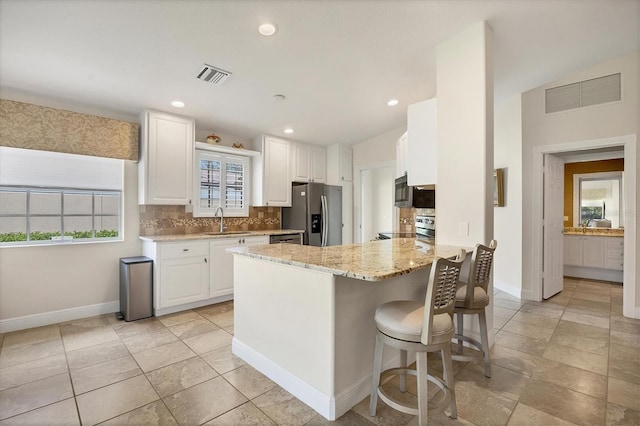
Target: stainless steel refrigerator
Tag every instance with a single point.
(316, 208)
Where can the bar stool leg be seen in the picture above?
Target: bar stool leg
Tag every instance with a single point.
(459, 330)
(403, 375)
(375, 380)
(485, 342)
(447, 365)
(423, 394)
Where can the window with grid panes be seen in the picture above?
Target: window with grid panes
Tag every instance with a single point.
(222, 181)
(48, 198)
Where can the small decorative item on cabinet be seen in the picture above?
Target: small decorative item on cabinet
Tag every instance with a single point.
(238, 145)
(212, 138)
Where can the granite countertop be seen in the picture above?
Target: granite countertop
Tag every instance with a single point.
(228, 234)
(602, 232)
(371, 261)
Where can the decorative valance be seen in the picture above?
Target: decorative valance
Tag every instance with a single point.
(48, 129)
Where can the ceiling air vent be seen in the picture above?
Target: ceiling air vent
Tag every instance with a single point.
(596, 91)
(213, 75)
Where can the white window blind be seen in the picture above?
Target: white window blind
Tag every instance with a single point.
(26, 167)
(221, 181)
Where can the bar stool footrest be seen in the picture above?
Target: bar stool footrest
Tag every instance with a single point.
(411, 409)
(457, 356)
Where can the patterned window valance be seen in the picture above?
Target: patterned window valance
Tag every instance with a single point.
(48, 129)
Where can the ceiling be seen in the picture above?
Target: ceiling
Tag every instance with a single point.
(337, 62)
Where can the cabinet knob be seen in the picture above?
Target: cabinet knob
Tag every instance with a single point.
(205, 260)
(185, 249)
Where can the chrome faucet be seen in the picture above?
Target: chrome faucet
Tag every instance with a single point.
(219, 209)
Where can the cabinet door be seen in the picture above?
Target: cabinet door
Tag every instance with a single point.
(593, 252)
(221, 283)
(277, 176)
(422, 143)
(318, 164)
(183, 280)
(573, 250)
(401, 165)
(169, 159)
(301, 169)
(346, 164)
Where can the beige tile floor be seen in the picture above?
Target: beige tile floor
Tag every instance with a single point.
(571, 360)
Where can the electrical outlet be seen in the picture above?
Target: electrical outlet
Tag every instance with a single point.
(463, 229)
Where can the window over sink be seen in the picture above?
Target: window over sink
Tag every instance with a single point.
(221, 180)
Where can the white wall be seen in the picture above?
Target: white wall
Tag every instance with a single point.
(45, 284)
(465, 138)
(507, 271)
(37, 281)
(597, 122)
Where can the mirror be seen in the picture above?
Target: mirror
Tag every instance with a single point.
(598, 202)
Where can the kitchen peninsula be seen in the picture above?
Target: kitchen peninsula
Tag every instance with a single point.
(304, 315)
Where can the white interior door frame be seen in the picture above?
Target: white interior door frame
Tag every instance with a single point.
(630, 244)
(357, 196)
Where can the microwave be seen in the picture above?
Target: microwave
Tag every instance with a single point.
(413, 196)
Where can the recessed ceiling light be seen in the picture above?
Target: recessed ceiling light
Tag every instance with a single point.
(177, 104)
(288, 130)
(392, 102)
(268, 29)
(279, 97)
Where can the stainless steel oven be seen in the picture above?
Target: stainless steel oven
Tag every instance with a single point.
(425, 226)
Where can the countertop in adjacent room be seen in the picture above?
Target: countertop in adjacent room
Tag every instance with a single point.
(370, 261)
(600, 232)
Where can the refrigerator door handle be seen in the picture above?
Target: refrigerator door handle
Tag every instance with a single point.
(325, 220)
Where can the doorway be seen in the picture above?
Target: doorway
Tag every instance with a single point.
(628, 144)
(376, 211)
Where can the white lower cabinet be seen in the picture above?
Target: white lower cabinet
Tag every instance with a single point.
(182, 273)
(189, 274)
(595, 257)
(221, 283)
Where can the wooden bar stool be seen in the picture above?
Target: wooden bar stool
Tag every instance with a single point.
(472, 298)
(420, 327)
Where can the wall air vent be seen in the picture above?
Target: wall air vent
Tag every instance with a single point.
(213, 75)
(595, 91)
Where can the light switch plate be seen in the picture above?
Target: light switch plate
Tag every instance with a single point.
(566, 218)
(463, 229)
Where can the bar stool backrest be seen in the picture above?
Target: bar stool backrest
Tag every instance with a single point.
(441, 292)
(480, 267)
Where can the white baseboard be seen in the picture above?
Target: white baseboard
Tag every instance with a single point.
(54, 317)
(192, 305)
(328, 406)
(315, 399)
(526, 295)
(507, 288)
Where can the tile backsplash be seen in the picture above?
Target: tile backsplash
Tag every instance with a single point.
(406, 220)
(174, 220)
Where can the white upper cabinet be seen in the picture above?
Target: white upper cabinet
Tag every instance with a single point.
(422, 143)
(166, 159)
(401, 155)
(271, 172)
(309, 164)
(339, 164)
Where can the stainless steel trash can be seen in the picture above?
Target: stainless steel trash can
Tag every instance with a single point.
(136, 288)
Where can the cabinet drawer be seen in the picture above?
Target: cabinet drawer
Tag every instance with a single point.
(615, 254)
(616, 264)
(614, 243)
(181, 250)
